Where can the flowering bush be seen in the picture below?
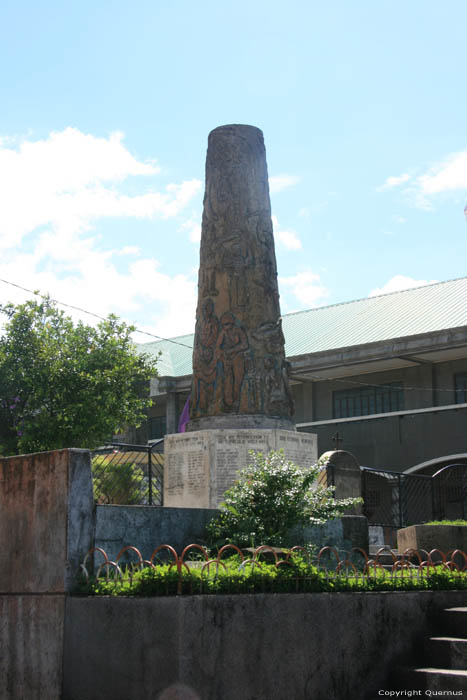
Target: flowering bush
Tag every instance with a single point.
(270, 498)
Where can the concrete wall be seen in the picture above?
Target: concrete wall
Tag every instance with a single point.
(46, 526)
(400, 441)
(271, 647)
(46, 522)
(31, 644)
(146, 527)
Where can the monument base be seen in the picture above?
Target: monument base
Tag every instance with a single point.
(200, 466)
(240, 421)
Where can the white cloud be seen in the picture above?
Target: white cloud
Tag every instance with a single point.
(306, 287)
(53, 192)
(394, 181)
(70, 179)
(447, 176)
(397, 283)
(277, 183)
(289, 239)
(193, 226)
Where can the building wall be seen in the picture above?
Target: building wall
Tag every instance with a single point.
(395, 442)
(392, 442)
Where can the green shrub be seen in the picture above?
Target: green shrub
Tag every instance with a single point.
(270, 498)
(446, 522)
(297, 577)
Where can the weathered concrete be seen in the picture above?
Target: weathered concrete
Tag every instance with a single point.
(271, 647)
(146, 527)
(344, 473)
(31, 643)
(200, 466)
(46, 520)
(428, 537)
(239, 364)
(46, 526)
(341, 533)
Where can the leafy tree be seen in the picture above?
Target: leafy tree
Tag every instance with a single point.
(271, 497)
(67, 385)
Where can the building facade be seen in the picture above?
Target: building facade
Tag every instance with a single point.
(383, 377)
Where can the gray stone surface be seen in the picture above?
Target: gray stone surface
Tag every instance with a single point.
(80, 525)
(341, 533)
(200, 466)
(428, 537)
(146, 527)
(31, 644)
(246, 422)
(258, 647)
(239, 364)
(376, 535)
(343, 471)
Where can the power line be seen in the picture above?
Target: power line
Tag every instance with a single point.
(176, 342)
(355, 381)
(91, 313)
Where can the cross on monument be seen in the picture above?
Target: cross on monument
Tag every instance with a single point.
(337, 439)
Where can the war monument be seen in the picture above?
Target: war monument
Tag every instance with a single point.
(240, 397)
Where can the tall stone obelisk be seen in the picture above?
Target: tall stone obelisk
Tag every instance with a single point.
(240, 398)
(240, 374)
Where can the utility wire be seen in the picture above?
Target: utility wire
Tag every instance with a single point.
(176, 342)
(379, 386)
(91, 313)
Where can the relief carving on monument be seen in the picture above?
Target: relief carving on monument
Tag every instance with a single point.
(239, 364)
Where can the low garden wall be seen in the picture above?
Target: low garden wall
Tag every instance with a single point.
(271, 647)
(146, 527)
(428, 537)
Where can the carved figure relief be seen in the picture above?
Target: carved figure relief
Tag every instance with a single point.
(239, 363)
(231, 345)
(204, 357)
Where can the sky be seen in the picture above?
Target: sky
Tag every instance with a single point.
(106, 110)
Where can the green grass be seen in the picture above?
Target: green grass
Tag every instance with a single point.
(300, 577)
(446, 522)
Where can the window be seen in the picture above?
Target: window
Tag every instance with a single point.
(368, 400)
(461, 387)
(157, 427)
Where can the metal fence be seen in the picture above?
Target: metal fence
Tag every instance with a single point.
(393, 499)
(333, 570)
(128, 474)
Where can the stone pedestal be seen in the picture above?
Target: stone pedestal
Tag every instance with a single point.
(343, 471)
(200, 466)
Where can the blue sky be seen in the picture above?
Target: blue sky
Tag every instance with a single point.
(106, 109)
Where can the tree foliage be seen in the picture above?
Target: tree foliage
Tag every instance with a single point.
(271, 497)
(66, 385)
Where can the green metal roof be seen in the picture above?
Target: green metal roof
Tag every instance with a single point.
(426, 309)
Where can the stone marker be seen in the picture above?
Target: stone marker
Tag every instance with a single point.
(199, 466)
(240, 374)
(343, 471)
(240, 397)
